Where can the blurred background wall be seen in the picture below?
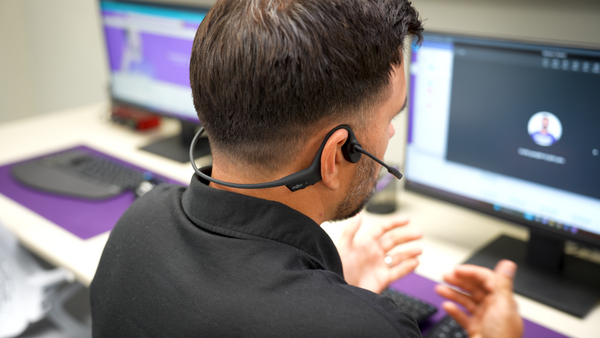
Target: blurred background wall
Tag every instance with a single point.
(52, 55)
(51, 51)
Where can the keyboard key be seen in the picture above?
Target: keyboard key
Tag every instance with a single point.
(447, 328)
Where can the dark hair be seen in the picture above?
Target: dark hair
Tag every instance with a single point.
(267, 73)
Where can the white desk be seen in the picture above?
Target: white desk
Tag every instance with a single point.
(451, 234)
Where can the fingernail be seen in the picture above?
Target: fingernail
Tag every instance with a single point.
(447, 305)
(508, 268)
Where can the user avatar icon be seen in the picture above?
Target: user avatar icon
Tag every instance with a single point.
(544, 128)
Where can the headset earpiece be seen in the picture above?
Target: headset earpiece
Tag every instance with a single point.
(349, 147)
(352, 151)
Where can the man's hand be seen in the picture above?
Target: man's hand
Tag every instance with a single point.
(492, 310)
(365, 260)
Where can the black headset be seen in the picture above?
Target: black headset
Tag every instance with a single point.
(351, 149)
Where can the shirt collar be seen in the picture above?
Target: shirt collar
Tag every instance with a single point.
(242, 216)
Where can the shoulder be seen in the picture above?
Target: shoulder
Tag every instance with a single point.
(147, 222)
(158, 196)
(155, 203)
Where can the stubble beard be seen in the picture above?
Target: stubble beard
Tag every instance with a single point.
(360, 191)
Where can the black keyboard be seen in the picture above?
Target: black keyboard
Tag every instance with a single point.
(447, 328)
(415, 307)
(85, 174)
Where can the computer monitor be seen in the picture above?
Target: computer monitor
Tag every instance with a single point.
(149, 46)
(512, 129)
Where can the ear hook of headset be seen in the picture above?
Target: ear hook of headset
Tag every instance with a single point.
(299, 180)
(296, 181)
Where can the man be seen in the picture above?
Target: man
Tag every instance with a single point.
(272, 81)
(542, 136)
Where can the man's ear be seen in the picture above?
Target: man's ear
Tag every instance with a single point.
(332, 158)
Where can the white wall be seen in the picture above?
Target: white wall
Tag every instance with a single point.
(52, 55)
(16, 81)
(52, 50)
(555, 20)
(68, 63)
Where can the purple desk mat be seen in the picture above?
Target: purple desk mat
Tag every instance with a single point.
(83, 218)
(423, 288)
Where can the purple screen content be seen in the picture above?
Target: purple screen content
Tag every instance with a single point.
(148, 48)
(164, 58)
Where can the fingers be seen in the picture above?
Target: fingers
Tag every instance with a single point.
(476, 275)
(474, 272)
(404, 255)
(479, 281)
(455, 296)
(501, 277)
(350, 231)
(468, 285)
(473, 279)
(403, 268)
(395, 238)
(491, 301)
(377, 231)
(461, 318)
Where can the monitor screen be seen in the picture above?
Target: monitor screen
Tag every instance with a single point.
(149, 48)
(508, 128)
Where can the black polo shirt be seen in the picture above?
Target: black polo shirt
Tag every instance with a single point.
(202, 262)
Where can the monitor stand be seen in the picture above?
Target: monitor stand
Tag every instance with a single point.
(545, 273)
(177, 147)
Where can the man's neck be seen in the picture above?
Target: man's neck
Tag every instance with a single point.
(309, 201)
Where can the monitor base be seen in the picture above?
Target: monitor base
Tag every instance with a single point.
(574, 288)
(177, 148)
(173, 149)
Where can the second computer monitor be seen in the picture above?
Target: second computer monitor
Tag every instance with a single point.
(510, 129)
(148, 47)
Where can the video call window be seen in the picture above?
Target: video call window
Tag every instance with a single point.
(508, 111)
(509, 124)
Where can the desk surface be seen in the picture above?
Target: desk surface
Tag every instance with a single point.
(451, 234)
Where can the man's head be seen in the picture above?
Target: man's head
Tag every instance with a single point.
(268, 74)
